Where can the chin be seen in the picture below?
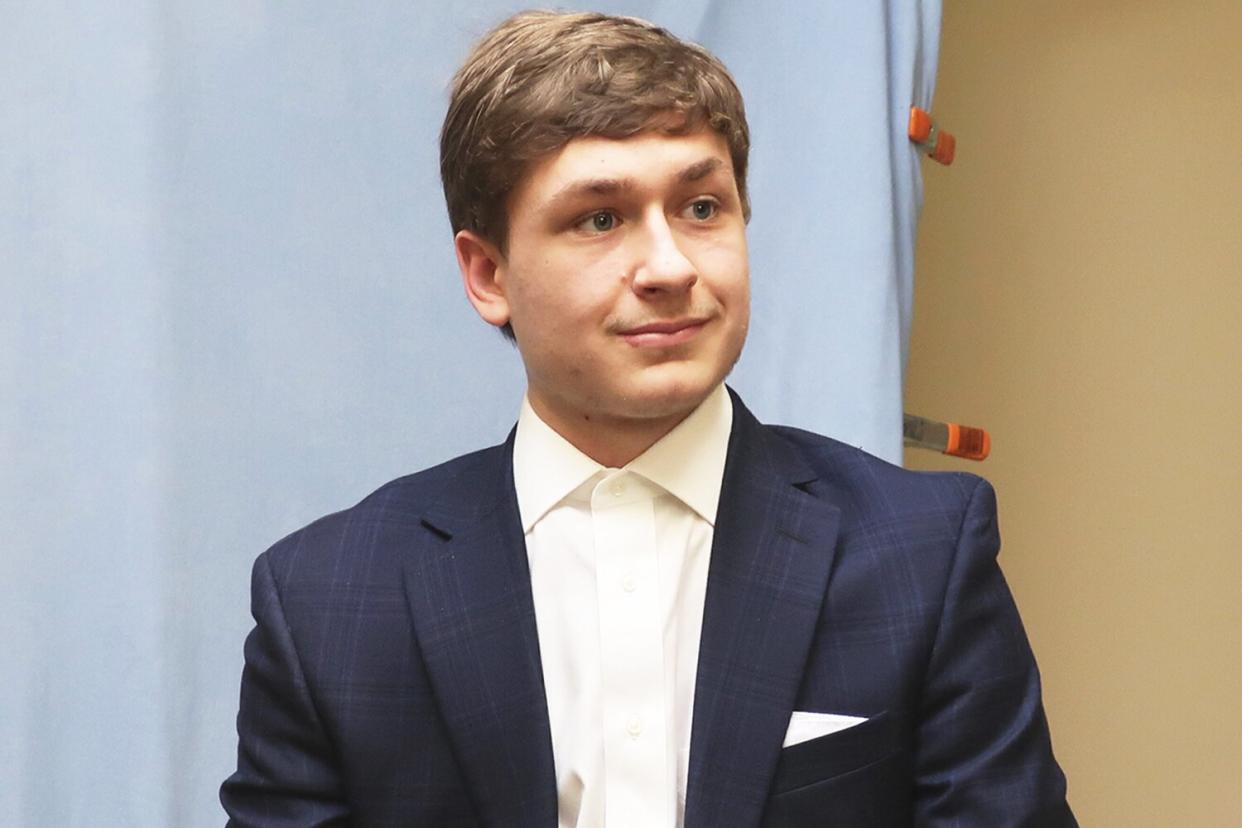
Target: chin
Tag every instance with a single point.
(671, 396)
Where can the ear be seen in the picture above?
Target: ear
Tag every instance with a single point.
(482, 270)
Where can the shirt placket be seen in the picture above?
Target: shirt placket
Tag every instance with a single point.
(636, 776)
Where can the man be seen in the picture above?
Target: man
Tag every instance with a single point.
(644, 608)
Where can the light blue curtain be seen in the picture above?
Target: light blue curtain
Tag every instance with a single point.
(228, 304)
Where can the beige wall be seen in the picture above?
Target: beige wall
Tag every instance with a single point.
(1079, 293)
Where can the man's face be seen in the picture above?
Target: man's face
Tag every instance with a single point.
(626, 276)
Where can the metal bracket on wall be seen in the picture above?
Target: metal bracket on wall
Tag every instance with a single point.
(947, 438)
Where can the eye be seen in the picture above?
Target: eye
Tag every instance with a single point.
(598, 222)
(703, 209)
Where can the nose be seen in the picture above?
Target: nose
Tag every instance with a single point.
(664, 266)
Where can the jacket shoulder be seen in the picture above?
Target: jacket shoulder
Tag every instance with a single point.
(385, 519)
(869, 488)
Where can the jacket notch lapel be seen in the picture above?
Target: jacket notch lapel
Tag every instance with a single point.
(771, 557)
(469, 592)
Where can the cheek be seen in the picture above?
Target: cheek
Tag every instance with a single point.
(725, 262)
(556, 321)
(732, 282)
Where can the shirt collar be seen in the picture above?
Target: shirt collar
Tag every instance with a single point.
(688, 462)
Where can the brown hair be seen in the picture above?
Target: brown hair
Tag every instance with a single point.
(542, 78)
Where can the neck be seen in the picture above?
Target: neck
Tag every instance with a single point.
(610, 441)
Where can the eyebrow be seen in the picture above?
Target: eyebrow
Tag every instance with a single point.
(612, 186)
(700, 170)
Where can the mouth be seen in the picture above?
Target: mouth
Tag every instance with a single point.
(663, 334)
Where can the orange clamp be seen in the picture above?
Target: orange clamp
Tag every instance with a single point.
(940, 145)
(947, 438)
(970, 443)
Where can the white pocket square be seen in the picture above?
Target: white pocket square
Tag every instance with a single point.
(804, 725)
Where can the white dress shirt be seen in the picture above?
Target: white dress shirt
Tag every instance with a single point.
(618, 564)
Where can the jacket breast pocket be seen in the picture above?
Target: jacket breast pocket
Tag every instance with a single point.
(857, 777)
(838, 753)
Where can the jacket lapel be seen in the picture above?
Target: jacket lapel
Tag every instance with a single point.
(772, 552)
(468, 586)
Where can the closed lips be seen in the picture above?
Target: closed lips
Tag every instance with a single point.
(664, 327)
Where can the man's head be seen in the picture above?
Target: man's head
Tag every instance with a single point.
(541, 79)
(594, 170)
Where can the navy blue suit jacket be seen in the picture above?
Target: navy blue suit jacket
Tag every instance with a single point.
(393, 676)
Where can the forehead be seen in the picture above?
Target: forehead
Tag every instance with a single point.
(649, 159)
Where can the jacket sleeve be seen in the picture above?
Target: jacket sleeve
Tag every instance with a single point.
(286, 772)
(984, 756)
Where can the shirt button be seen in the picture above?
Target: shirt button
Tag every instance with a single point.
(618, 488)
(629, 583)
(634, 727)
